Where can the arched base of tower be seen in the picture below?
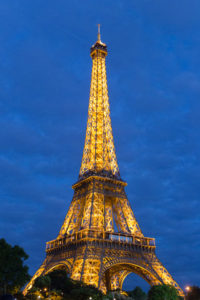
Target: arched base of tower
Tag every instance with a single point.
(151, 270)
(105, 263)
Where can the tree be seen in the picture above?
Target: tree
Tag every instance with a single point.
(163, 292)
(85, 292)
(41, 286)
(57, 285)
(193, 293)
(43, 282)
(138, 294)
(13, 272)
(60, 281)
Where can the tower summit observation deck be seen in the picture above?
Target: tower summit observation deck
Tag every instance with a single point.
(88, 245)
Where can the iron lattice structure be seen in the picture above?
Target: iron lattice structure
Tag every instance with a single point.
(88, 245)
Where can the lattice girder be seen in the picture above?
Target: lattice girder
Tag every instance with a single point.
(108, 215)
(146, 266)
(77, 269)
(88, 243)
(96, 204)
(99, 151)
(91, 272)
(92, 258)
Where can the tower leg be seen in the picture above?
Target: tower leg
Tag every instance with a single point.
(38, 273)
(164, 275)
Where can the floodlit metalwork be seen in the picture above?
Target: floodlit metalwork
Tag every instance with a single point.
(99, 151)
(100, 241)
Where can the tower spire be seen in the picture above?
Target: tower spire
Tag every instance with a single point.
(99, 34)
(99, 156)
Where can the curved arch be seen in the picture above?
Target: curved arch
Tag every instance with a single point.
(46, 268)
(113, 276)
(61, 264)
(123, 277)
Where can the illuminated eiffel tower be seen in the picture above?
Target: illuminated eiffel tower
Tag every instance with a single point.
(100, 241)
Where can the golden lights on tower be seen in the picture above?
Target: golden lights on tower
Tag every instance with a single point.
(100, 241)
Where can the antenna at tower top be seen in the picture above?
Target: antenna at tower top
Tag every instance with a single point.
(99, 35)
(98, 45)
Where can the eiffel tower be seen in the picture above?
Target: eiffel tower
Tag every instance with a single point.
(100, 241)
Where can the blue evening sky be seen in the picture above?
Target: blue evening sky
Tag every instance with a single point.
(153, 70)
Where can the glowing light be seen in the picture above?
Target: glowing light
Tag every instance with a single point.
(99, 200)
(99, 151)
(187, 288)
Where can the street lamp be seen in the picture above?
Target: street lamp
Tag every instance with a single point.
(187, 288)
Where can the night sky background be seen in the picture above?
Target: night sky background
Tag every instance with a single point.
(153, 70)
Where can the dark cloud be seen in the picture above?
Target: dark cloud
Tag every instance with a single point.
(154, 86)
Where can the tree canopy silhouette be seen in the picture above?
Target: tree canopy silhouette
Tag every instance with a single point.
(163, 292)
(57, 284)
(138, 294)
(13, 272)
